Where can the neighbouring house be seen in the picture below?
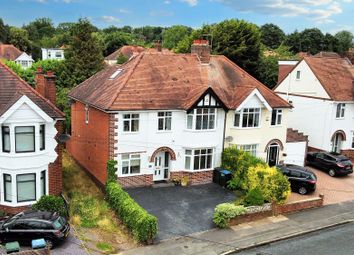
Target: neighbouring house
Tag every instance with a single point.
(321, 92)
(53, 53)
(163, 115)
(10, 52)
(30, 156)
(127, 51)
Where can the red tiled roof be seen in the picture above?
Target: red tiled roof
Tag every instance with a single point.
(170, 81)
(128, 51)
(283, 71)
(13, 88)
(9, 52)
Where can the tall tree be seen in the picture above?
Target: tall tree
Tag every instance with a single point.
(271, 35)
(174, 34)
(293, 41)
(239, 41)
(39, 28)
(4, 32)
(19, 38)
(84, 55)
(312, 40)
(115, 40)
(345, 40)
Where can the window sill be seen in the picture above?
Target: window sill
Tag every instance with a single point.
(163, 131)
(199, 131)
(22, 155)
(276, 126)
(246, 128)
(197, 171)
(130, 133)
(129, 175)
(15, 204)
(341, 118)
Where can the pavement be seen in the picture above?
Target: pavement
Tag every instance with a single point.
(182, 210)
(250, 235)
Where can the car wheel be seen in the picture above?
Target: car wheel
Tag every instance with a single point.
(332, 173)
(49, 243)
(302, 190)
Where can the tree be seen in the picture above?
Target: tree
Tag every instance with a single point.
(239, 41)
(114, 41)
(293, 41)
(345, 40)
(271, 35)
(173, 35)
(312, 40)
(19, 38)
(4, 32)
(330, 43)
(41, 27)
(84, 55)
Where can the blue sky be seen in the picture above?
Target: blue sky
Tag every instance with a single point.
(328, 15)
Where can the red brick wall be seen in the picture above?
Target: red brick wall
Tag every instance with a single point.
(90, 143)
(298, 206)
(55, 175)
(135, 181)
(195, 178)
(348, 153)
(13, 210)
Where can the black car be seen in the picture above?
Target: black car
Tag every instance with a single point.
(331, 162)
(30, 225)
(301, 179)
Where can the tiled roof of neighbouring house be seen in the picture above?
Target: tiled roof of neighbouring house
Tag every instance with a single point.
(155, 80)
(12, 88)
(128, 51)
(9, 52)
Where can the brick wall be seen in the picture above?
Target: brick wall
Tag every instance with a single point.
(13, 210)
(348, 153)
(55, 175)
(298, 205)
(136, 181)
(195, 178)
(90, 143)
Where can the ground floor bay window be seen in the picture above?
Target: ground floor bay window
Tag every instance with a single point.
(23, 188)
(199, 159)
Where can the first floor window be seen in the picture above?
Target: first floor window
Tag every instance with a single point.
(130, 163)
(164, 120)
(250, 148)
(201, 119)
(340, 111)
(130, 122)
(276, 117)
(43, 183)
(247, 117)
(5, 133)
(199, 159)
(26, 187)
(7, 188)
(24, 137)
(42, 137)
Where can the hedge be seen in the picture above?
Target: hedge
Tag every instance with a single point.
(52, 204)
(225, 212)
(142, 224)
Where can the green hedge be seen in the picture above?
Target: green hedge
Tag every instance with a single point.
(142, 224)
(52, 204)
(225, 212)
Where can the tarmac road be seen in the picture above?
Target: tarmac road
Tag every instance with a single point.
(338, 240)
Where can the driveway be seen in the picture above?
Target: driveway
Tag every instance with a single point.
(182, 210)
(335, 189)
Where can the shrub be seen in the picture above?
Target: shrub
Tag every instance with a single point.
(273, 184)
(51, 204)
(111, 171)
(142, 224)
(225, 212)
(253, 197)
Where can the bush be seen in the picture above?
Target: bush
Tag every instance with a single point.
(253, 197)
(142, 224)
(225, 212)
(274, 186)
(111, 171)
(51, 204)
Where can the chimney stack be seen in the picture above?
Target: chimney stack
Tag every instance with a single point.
(45, 84)
(202, 49)
(158, 46)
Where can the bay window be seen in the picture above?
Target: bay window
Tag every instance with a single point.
(250, 148)
(42, 137)
(248, 118)
(199, 159)
(202, 119)
(5, 133)
(130, 164)
(43, 183)
(7, 188)
(26, 187)
(24, 139)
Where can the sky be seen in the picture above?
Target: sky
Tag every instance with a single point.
(328, 15)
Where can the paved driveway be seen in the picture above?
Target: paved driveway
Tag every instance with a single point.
(335, 189)
(182, 210)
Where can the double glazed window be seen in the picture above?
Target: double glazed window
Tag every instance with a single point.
(130, 122)
(130, 163)
(7, 188)
(199, 159)
(42, 137)
(24, 138)
(26, 187)
(43, 183)
(164, 120)
(6, 145)
(340, 111)
(276, 117)
(250, 148)
(201, 119)
(247, 117)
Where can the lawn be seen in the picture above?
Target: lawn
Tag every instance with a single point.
(96, 224)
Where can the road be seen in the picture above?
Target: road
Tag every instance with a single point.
(338, 240)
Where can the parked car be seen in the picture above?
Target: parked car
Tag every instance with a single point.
(30, 225)
(301, 179)
(331, 162)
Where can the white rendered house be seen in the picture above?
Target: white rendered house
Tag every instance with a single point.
(53, 53)
(24, 60)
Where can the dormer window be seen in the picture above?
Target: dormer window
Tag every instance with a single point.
(201, 119)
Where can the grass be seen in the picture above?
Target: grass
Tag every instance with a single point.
(105, 247)
(89, 212)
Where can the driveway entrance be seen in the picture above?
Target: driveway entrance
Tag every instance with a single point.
(182, 210)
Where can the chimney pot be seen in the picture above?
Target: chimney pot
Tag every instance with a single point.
(39, 69)
(50, 73)
(158, 46)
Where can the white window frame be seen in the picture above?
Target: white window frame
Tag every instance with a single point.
(192, 116)
(250, 148)
(164, 117)
(131, 157)
(246, 111)
(191, 155)
(278, 117)
(132, 117)
(340, 111)
(298, 75)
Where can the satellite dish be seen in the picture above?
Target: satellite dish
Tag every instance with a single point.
(229, 139)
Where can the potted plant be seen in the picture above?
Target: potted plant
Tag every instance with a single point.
(176, 181)
(185, 180)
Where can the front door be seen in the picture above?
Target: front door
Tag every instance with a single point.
(273, 154)
(161, 166)
(337, 143)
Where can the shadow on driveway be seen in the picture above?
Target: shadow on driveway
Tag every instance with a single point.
(182, 210)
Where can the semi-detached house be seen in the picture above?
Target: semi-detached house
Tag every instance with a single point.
(30, 157)
(163, 115)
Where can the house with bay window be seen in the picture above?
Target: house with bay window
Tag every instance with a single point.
(162, 115)
(30, 158)
(320, 89)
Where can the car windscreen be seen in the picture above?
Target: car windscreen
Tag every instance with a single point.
(312, 177)
(59, 223)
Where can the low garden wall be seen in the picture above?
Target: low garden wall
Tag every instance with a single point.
(298, 205)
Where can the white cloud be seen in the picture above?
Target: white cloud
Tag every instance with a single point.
(110, 19)
(124, 11)
(190, 2)
(319, 11)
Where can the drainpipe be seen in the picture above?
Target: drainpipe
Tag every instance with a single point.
(223, 136)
